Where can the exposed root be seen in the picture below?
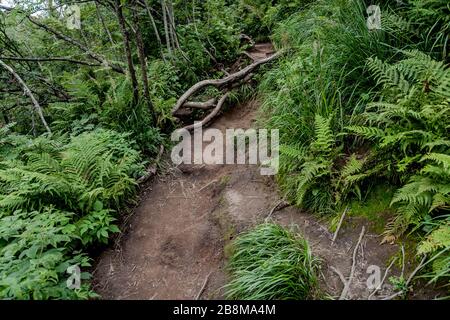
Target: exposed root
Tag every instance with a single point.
(221, 83)
(210, 116)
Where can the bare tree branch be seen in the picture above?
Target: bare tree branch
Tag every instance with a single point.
(44, 59)
(28, 92)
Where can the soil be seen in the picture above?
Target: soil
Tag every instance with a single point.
(177, 236)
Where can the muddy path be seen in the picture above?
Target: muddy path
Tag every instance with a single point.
(178, 235)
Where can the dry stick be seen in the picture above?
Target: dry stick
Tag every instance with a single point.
(166, 26)
(352, 271)
(411, 276)
(341, 276)
(384, 278)
(403, 261)
(210, 116)
(207, 185)
(222, 82)
(199, 294)
(339, 225)
(28, 92)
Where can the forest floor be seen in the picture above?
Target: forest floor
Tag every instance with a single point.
(176, 239)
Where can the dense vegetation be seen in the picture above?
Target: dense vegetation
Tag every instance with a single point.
(84, 111)
(379, 102)
(271, 263)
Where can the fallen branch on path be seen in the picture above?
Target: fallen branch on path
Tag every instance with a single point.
(339, 225)
(384, 278)
(352, 270)
(202, 289)
(411, 276)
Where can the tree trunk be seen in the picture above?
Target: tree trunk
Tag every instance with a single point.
(166, 26)
(155, 29)
(143, 62)
(127, 48)
(100, 18)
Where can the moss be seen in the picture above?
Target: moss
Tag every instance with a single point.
(375, 208)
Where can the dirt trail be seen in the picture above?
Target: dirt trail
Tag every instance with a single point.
(179, 233)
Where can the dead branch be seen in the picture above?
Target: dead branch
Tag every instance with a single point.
(202, 289)
(93, 55)
(352, 270)
(384, 278)
(339, 225)
(220, 83)
(341, 276)
(243, 36)
(62, 59)
(410, 278)
(210, 116)
(28, 92)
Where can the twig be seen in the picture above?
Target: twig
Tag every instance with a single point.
(341, 276)
(207, 185)
(411, 276)
(339, 225)
(352, 271)
(199, 294)
(382, 280)
(403, 261)
(28, 92)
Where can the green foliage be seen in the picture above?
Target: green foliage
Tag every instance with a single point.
(379, 101)
(437, 246)
(260, 17)
(56, 197)
(271, 263)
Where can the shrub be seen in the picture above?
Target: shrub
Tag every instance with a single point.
(57, 197)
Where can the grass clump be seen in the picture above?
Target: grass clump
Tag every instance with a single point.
(271, 263)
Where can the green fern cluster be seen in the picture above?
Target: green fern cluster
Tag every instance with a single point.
(317, 176)
(56, 197)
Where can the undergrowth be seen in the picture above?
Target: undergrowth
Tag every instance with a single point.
(271, 263)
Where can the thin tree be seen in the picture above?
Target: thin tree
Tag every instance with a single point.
(127, 49)
(142, 61)
(28, 92)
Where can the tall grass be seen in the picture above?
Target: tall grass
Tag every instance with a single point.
(271, 263)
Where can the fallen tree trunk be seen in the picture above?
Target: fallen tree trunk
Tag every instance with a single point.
(220, 83)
